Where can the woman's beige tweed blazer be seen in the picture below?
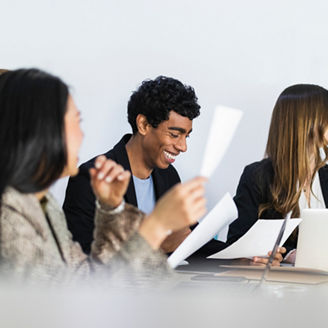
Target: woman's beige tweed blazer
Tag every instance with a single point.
(40, 246)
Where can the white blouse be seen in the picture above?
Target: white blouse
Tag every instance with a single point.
(316, 198)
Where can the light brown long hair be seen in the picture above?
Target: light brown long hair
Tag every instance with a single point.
(298, 124)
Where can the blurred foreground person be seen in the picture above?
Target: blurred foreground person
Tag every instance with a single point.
(40, 137)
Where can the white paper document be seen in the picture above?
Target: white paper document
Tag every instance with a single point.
(258, 240)
(223, 127)
(222, 214)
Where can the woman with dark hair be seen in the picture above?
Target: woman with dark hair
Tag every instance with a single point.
(40, 137)
(294, 173)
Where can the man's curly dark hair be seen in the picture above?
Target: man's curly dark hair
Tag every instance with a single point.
(156, 98)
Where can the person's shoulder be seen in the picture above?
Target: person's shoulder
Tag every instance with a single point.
(13, 198)
(23, 204)
(260, 167)
(259, 174)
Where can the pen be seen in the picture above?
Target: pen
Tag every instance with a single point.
(275, 247)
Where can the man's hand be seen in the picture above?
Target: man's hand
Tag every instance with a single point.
(109, 181)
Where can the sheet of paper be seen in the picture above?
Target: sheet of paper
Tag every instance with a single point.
(258, 240)
(222, 214)
(223, 127)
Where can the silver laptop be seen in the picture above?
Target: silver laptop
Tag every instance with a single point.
(312, 245)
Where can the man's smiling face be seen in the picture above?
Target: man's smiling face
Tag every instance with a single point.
(164, 143)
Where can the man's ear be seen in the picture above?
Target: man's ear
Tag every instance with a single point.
(142, 124)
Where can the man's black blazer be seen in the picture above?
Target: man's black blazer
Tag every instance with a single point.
(79, 204)
(254, 189)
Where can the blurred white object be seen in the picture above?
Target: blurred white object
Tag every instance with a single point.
(223, 128)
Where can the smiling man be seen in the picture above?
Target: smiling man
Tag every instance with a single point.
(160, 113)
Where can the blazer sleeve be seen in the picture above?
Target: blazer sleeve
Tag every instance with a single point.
(26, 252)
(79, 208)
(117, 241)
(247, 199)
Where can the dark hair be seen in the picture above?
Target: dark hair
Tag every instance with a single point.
(156, 98)
(32, 136)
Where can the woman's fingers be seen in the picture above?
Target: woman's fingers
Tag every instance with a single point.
(278, 258)
(109, 181)
(112, 172)
(199, 208)
(197, 194)
(125, 175)
(260, 260)
(108, 170)
(100, 160)
(276, 263)
(193, 185)
(282, 250)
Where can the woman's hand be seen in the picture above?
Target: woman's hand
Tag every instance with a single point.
(172, 242)
(109, 181)
(180, 207)
(257, 260)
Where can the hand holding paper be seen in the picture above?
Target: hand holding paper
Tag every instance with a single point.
(221, 214)
(223, 127)
(258, 240)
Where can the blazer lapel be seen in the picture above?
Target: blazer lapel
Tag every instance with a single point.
(159, 183)
(58, 228)
(121, 157)
(323, 176)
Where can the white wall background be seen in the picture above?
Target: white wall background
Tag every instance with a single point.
(236, 53)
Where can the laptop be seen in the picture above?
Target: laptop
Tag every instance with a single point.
(312, 244)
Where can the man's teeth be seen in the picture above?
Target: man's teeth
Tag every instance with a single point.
(168, 155)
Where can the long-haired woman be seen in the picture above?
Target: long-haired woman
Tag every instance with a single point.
(40, 137)
(293, 175)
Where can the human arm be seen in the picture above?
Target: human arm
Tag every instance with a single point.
(247, 199)
(172, 241)
(164, 180)
(254, 189)
(178, 208)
